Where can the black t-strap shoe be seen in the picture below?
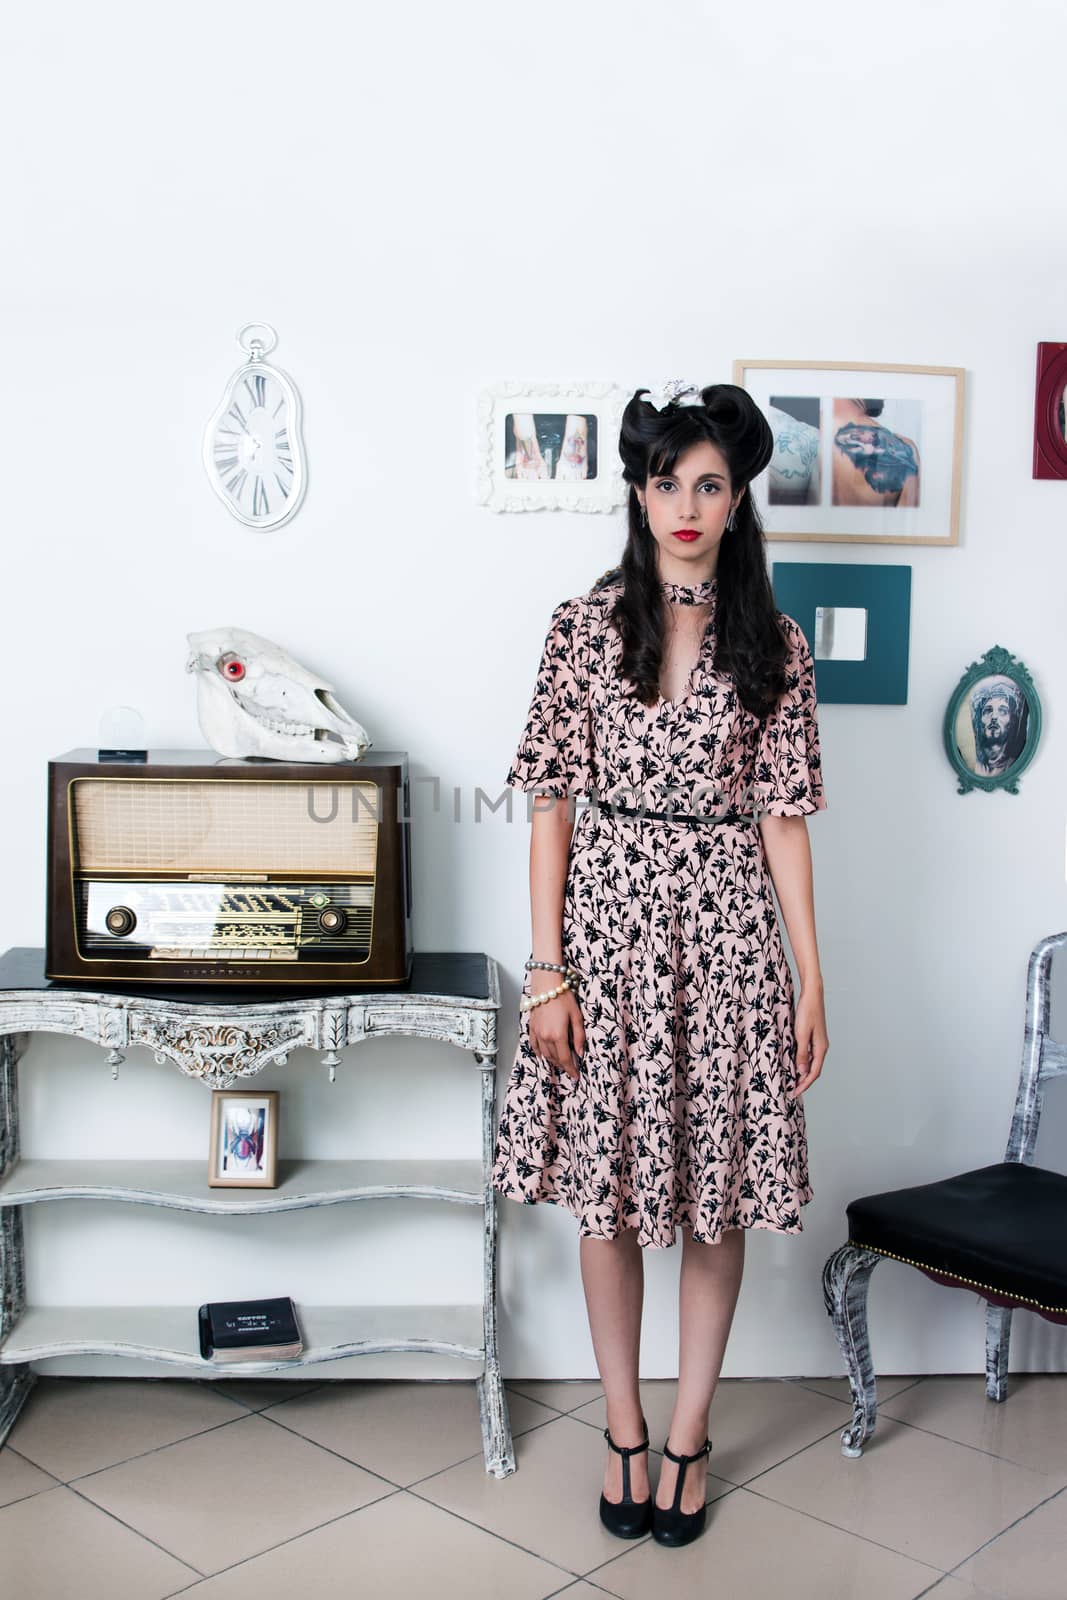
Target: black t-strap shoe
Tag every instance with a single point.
(675, 1526)
(626, 1518)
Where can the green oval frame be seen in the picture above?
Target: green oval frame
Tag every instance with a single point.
(1002, 663)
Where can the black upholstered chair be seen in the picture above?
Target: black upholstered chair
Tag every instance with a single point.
(1000, 1231)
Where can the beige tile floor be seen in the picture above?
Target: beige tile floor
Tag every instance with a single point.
(127, 1490)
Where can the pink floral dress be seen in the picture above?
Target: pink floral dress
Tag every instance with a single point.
(680, 1113)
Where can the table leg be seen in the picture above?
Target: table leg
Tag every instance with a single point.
(15, 1381)
(492, 1401)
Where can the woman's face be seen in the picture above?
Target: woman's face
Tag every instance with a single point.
(687, 508)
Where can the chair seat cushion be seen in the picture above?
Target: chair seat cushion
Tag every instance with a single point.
(1002, 1228)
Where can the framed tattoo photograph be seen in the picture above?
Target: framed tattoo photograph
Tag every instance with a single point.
(883, 468)
(1050, 412)
(545, 446)
(244, 1139)
(992, 723)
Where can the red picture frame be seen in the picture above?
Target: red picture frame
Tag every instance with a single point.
(1050, 412)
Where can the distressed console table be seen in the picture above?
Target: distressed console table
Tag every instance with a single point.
(452, 997)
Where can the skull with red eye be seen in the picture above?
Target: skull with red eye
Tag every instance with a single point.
(231, 667)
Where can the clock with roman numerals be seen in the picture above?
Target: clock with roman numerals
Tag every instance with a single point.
(253, 449)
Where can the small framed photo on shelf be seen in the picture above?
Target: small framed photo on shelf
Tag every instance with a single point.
(244, 1139)
(883, 468)
(550, 446)
(1050, 412)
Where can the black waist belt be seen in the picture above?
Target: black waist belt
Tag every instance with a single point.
(616, 807)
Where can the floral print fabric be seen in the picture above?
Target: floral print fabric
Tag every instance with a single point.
(680, 1113)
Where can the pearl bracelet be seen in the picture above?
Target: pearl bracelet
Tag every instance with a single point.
(528, 1001)
(550, 966)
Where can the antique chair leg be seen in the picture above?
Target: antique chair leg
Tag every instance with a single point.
(997, 1345)
(845, 1279)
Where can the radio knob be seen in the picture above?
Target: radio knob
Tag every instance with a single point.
(333, 920)
(120, 920)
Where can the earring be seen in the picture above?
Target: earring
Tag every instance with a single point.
(644, 515)
(729, 522)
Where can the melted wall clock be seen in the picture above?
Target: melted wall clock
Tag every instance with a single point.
(253, 447)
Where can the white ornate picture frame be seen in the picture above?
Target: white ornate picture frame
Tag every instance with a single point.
(550, 446)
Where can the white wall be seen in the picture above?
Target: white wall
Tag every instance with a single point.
(422, 199)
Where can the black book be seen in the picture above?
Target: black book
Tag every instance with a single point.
(249, 1330)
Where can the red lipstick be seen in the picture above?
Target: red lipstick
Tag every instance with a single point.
(687, 533)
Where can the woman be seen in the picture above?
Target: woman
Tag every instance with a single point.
(663, 1054)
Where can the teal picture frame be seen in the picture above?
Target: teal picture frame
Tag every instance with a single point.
(880, 589)
(999, 681)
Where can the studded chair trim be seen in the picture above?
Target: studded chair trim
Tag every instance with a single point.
(955, 1277)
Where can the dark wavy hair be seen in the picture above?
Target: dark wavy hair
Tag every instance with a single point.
(750, 643)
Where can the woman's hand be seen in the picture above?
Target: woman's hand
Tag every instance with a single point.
(812, 1041)
(557, 1032)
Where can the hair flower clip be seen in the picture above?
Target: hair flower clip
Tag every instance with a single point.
(675, 391)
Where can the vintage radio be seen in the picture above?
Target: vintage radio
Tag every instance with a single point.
(193, 868)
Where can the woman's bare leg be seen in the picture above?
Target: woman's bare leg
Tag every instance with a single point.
(613, 1276)
(709, 1284)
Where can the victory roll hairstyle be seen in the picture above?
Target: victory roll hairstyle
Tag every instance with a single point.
(750, 643)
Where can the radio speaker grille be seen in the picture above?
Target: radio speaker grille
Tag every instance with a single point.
(164, 825)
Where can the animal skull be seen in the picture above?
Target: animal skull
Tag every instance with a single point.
(253, 699)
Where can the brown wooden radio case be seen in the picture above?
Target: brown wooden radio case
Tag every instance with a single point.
(192, 868)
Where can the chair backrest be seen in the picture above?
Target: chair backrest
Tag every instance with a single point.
(1043, 1057)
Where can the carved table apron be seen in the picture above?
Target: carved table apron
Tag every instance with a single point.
(450, 997)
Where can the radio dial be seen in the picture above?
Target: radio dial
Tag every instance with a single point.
(333, 920)
(120, 920)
